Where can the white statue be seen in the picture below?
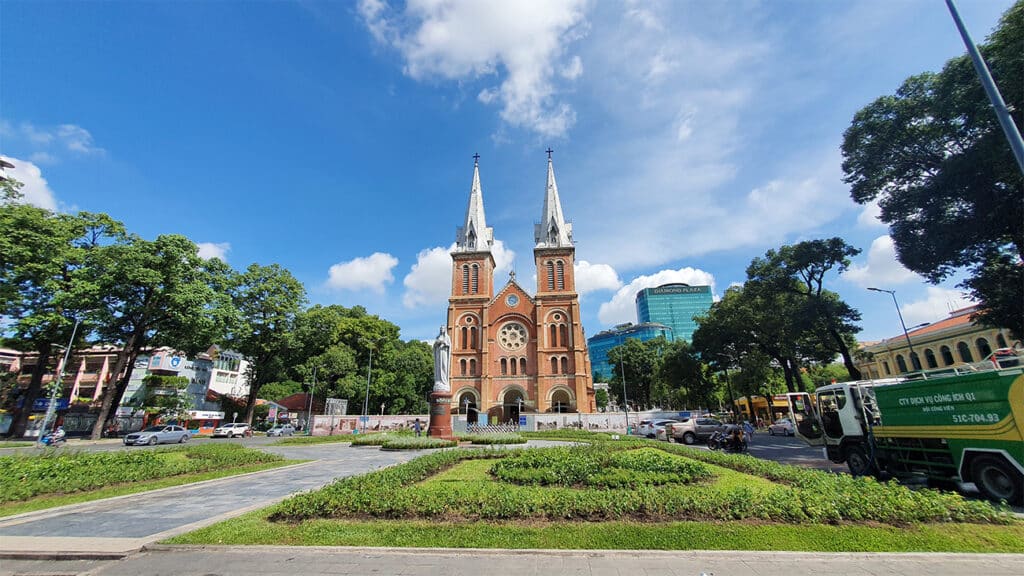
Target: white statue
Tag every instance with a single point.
(442, 361)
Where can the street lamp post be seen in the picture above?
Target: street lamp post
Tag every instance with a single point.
(903, 324)
(369, 370)
(52, 406)
(309, 414)
(622, 364)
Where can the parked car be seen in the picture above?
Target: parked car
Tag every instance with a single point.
(693, 430)
(281, 430)
(781, 426)
(231, 430)
(157, 435)
(649, 428)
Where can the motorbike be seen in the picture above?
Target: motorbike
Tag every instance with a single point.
(54, 441)
(721, 440)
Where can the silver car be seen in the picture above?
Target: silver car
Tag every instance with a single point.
(158, 435)
(281, 430)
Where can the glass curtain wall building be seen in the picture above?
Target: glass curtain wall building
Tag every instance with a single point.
(599, 344)
(675, 306)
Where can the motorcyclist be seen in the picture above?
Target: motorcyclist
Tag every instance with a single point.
(733, 437)
(58, 434)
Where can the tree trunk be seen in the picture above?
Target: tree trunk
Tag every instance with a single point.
(113, 392)
(787, 372)
(29, 397)
(254, 390)
(845, 351)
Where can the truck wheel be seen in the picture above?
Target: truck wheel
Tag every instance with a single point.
(770, 431)
(996, 480)
(858, 462)
(689, 439)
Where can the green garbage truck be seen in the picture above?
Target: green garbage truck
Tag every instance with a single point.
(950, 426)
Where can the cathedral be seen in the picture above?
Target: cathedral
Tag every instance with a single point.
(513, 352)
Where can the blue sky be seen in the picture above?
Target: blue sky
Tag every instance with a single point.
(336, 138)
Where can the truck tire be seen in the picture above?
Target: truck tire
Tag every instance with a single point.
(997, 480)
(858, 462)
(689, 439)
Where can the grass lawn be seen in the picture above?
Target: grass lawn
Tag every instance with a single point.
(54, 500)
(15, 444)
(615, 496)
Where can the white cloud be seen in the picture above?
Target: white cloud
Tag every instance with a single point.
(370, 273)
(936, 306)
(429, 281)
(77, 139)
(524, 43)
(871, 216)
(47, 143)
(208, 250)
(594, 277)
(36, 191)
(622, 307)
(882, 267)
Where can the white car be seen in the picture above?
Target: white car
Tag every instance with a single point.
(781, 426)
(157, 435)
(231, 430)
(649, 428)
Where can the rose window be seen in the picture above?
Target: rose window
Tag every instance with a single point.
(512, 336)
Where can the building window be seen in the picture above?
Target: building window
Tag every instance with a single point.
(504, 367)
(965, 352)
(462, 333)
(561, 276)
(551, 275)
(563, 330)
(476, 279)
(565, 365)
(947, 356)
(929, 358)
(472, 367)
(885, 366)
(983, 348)
(473, 339)
(1000, 341)
(522, 366)
(462, 367)
(514, 367)
(901, 364)
(915, 361)
(465, 279)
(554, 336)
(554, 365)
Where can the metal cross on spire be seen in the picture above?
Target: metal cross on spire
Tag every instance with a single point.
(550, 152)
(476, 158)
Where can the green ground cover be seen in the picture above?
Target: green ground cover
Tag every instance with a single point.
(493, 439)
(459, 499)
(28, 476)
(303, 440)
(15, 444)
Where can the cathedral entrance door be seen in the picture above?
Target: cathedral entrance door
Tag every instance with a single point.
(512, 406)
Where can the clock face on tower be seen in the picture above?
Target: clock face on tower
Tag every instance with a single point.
(512, 300)
(512, 336)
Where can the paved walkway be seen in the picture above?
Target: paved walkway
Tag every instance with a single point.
(282, 561)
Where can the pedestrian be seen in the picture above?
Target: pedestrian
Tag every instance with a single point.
(749, 430)
(416, 427)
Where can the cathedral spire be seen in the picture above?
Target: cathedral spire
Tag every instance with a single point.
(552, 231)
(474, 235)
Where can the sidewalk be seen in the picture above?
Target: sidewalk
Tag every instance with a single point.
(279, 561)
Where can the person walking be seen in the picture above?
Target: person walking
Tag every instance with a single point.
(749, 430)
(416, 427)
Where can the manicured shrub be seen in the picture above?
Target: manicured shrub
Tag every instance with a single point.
(594, 466)
(416, 443)
(25, 476)
(493, 439)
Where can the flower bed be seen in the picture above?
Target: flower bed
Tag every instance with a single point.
(491, 439)
(416, 443)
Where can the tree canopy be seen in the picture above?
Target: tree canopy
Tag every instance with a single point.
(937, 162)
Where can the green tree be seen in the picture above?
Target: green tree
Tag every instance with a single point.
(640, 361)
(275, 391)
(688, 381)
(937, 162)
(167, 397)
(801, 269)
(157, 293)
(48, 280)
(267, 299)
(601, 398)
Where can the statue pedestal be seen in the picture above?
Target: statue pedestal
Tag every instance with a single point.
(440, 415)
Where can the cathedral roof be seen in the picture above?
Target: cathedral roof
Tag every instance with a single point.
(475, 235)
(552, 231)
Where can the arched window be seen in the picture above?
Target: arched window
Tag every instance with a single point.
(929, 358)
(947, 356)
(464, 341)
(462, 367)
(565, 365)
(885, 366)
(476, 279)
(522, 366)
(504, 367)
(465, 279)
(554, 336)
(965, 352)
(551, 275)
(563, 330)
(514, 367)
(472, 338)
(915, 361)
(1000, 341)
(984, 350)
(472, 367)
(901, 364)
(561, 276)
(554, 365)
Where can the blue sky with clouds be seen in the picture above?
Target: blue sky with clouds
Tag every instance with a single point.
(335, 138)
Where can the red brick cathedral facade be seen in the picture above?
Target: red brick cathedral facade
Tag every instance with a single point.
(513, 352)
